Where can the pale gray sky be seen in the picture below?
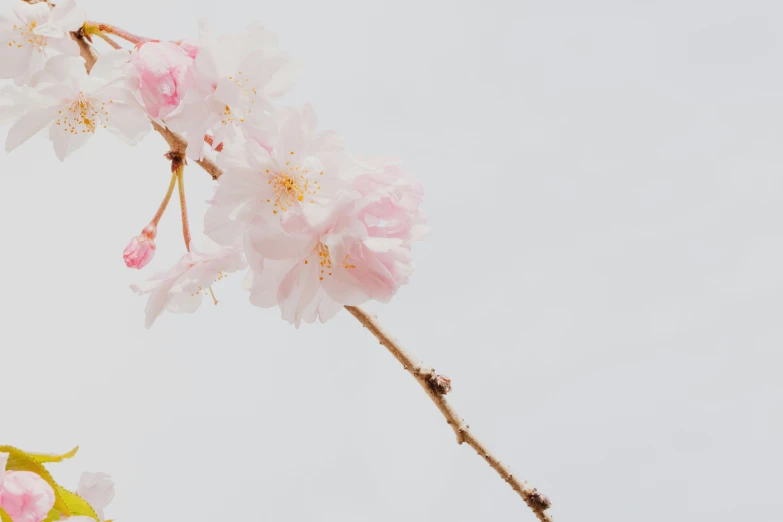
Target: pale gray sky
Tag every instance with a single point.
(603, 283)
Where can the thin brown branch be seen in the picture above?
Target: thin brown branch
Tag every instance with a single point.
(179, 144)
(176, 142)
(436, 386)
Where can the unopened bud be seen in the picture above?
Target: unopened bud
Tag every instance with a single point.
(141, 248)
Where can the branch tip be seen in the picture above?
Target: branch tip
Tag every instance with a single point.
(436, 387)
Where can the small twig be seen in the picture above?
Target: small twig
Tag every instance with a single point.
(179, 144)
(436, 387)
(176, 142)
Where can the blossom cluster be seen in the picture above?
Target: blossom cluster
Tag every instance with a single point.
(315, 227)
(28, 493)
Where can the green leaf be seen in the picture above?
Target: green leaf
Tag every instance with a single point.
(45, 457)
(53, 516)
(77, 505)
(18, 460)
(4, 517)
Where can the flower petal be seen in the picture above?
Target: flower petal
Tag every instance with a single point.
(66, 142)
(297, 290)
(29, 125)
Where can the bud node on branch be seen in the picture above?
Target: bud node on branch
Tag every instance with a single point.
(440, 384)
(539, 500)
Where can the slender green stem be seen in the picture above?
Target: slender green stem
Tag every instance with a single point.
(108, 40)
(179, 172)
(165, 201)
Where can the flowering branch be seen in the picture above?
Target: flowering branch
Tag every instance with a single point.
(176, 142)
(318, 228)
(436, 386)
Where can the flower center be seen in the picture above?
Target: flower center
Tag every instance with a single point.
(83, 115)
(228, 117)
(325, 261)
(250, 93)
(291, 185)
(27, 37)
(200, 290)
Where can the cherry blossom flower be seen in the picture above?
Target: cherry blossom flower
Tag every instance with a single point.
(394, 200)
(321, 229)
(29, 32)
(361, 252)
(73, 104)
(229, 87)
(180, 289)
(141, 248)
(298, 177)
(311, 276)
(162, 68)
(25, 496)
(98, 490)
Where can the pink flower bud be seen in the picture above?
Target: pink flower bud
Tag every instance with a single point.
(162, 68)
(141, 248)
(25, 496)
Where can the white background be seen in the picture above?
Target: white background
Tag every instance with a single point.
(603, 283)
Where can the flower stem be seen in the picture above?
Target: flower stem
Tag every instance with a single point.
(432, 384)
(165, 201)
(108, 40)
(180, 171)
(98, 28)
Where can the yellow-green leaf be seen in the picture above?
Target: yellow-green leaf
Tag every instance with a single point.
(45, 457)
(18, 460)
(54, 515)
(77, 505)
(4, 517)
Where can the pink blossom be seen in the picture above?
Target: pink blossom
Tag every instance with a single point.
(180, 289)
(320, 228)
(394, 201)
(25, 496)
(141, 249)
(230, 87)
(312, 276)
(98, 490)
(73, 105)
(162, 68)
(298, 176)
